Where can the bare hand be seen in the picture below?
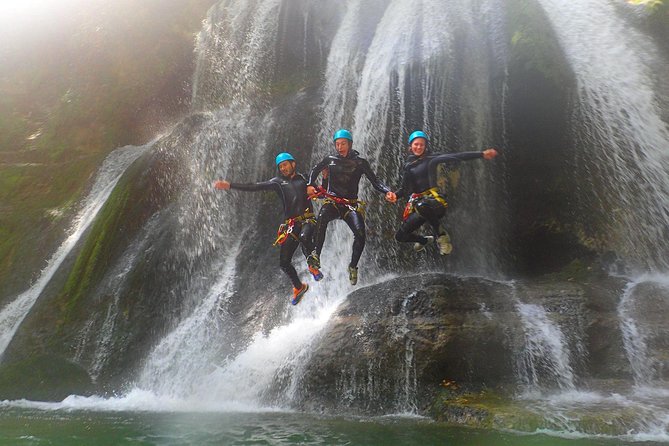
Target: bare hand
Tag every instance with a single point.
(222, 185)
(391, 197)
(489, 154)
(311, 191)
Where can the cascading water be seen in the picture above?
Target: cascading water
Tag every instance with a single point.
(406, 394)
(623, 141)
(380, 68)
(267, 371)
(642, 311)
(189, 363)
(545, 360)
(407, 82)
(622, 145)
(108, 175)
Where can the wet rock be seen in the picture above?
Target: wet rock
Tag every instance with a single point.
(44, 378)
(390, 344)
(390, 347)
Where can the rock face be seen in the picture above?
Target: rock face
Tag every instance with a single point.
(391, 346)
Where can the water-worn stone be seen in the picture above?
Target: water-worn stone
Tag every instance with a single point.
(391, 346)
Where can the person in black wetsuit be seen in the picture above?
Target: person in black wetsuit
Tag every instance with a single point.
(426, 203)
(344, 171)
(298, 229)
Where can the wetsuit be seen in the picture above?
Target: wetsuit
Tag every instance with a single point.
(419, 180)
(344, 175)
(296, 208)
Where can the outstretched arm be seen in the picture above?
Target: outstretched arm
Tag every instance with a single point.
(455, 158)
(252, 187)
(378, 185)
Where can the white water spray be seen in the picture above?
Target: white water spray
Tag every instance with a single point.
(545, 359)
(642, 316)
(180, 361)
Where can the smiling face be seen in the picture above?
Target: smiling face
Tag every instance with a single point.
(343, 146)
(418, 146)
(287, 168)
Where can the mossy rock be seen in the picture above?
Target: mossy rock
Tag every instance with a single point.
(44, 378)
(484, 409)
(492, 410)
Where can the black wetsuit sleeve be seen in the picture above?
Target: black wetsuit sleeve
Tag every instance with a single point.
(454, 158)
(404, 185)
(313, 175)
(252, 187)
(378, 185)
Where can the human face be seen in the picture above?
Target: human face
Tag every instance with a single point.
(287, 168)
(343, 146)
(418, 146)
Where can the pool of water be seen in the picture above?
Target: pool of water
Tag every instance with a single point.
(30, 426)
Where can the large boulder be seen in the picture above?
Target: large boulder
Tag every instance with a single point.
(391, 347)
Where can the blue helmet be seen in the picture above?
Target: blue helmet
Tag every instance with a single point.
(418, 134)
(284, 156)
(342, 133)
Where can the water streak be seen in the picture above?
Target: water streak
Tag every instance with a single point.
(634, 311)
(407, 386)
(108, 175)
(545, 359)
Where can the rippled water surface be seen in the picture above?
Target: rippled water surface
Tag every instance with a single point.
(20, 426)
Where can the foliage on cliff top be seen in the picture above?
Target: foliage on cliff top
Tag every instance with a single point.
(74, 86)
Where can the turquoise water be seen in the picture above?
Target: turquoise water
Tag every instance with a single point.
(62, 427)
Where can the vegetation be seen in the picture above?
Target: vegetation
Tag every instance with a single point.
(111, 74)
(490, 410)
(92, 259)
(648, 3)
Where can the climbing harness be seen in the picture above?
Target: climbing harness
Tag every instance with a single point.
(411, 207)
(286, 228)
(353, 204)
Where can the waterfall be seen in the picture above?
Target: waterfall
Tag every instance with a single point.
(377, 47)
(623, 142)
(183, 357)
(203, 359)
(642, 311)
(545, 359)
(406, 79)
(107, 176)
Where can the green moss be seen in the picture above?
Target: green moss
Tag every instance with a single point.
(9, 179)
(35, 203)
(90, 90)
(533, 46)
(650, 4)
(484, 409)
(492, 410)
(94, 256)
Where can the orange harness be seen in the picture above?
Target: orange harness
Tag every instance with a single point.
(286, 228)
